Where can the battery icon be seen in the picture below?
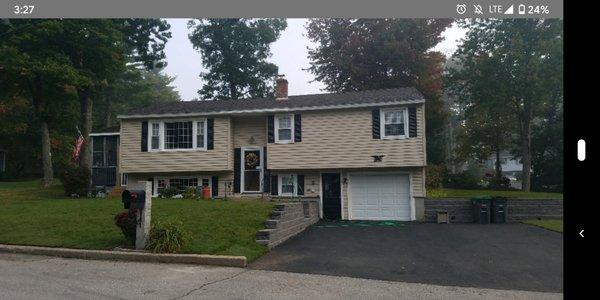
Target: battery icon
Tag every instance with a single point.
(522, 9)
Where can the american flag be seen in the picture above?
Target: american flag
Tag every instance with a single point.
(77, 148)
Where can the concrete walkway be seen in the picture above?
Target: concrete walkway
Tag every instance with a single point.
(32, 277)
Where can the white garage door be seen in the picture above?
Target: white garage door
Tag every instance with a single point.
(380, 197)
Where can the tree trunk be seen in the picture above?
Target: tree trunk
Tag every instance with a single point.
(108, 112)
(526, 146)
(86, 124)
(38, 104)
(233, 90)
(498, 164)
(46, 156)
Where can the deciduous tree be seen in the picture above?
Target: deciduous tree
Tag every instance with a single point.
(521, 60)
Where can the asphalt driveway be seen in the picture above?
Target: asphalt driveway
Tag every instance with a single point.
(500, 256)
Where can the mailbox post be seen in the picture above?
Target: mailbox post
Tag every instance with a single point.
(143, 227)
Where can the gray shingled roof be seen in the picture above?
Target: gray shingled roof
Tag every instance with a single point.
(301, 102)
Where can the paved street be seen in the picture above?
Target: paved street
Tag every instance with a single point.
(39, 277)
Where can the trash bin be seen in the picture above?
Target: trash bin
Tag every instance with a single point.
(481, 209)
(498, 210)
(206, 192)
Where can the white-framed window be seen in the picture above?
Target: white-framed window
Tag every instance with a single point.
(161, 184)
(287, 184)
(284, 129)
(200, 134)
(124, 178)
(177, 135)
(154, 136)
(394, 123)
(180, 183)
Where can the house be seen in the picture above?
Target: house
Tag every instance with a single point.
(511, 168)
(361, 153)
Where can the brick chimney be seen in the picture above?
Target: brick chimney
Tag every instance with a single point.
(281, 87)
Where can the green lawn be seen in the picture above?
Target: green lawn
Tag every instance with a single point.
(554, 225)
(456, 193)
(30, 215)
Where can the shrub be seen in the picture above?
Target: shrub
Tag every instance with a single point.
(168, 192)
(434, 176)
(167, 237)
(189, 193)
(462, 180)
(499, 183)
(75, 180)
(127, 222)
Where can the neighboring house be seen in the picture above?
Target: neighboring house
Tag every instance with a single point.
(361, 153)
(511, 168)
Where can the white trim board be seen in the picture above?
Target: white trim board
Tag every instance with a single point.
(105, 134)
(272, 110)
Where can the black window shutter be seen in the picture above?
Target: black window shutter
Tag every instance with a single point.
(267, 182)
(215, 185)
(274, 186)
(237, 168)
(376, 124)
(144, 136)
(210, 134)
(271, 129)
(300, 185)
(412, 121)
(297, 128)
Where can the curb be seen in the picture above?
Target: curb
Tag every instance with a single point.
(200, 259)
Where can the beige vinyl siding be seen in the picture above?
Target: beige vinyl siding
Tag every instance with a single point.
(343, 139)
(133, 160)
(417, 182)
(249, 131)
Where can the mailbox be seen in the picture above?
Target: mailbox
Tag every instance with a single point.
(133, 199)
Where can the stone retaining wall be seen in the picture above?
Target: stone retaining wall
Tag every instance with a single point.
(460, 209)
(287, 220)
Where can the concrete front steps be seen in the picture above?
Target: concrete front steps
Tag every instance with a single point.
(287, 220)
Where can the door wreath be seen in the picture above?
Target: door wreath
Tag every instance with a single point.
(251, 160)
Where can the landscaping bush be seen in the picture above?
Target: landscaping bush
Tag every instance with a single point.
(75, 180)
(168, 192)
(499, 183)
(434, 176)
(167, 237)
(189, 193)
(127, 222)
(462, 180)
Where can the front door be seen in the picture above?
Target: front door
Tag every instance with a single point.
(252, 168)
(332, 200)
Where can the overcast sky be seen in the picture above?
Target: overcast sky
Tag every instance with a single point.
(289, 54)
